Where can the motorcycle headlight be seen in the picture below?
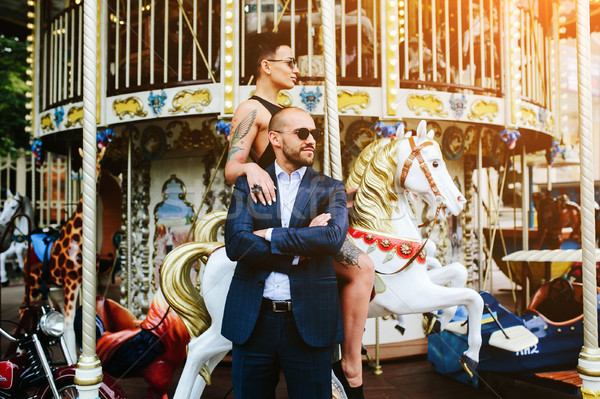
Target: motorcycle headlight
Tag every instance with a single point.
(52, 324)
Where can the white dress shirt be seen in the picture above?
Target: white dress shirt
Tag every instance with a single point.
(277, 285)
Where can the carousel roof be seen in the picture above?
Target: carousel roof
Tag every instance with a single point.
(13, 18)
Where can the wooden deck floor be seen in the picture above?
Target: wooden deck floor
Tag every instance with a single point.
(412, 377)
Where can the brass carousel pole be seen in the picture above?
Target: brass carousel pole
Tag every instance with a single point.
(589, 358)
(88, 375)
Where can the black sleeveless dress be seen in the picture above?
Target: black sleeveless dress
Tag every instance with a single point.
(268, 156)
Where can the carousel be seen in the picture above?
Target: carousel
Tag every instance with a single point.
(134, 99)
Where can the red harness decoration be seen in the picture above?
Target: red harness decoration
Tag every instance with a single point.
(405, 249)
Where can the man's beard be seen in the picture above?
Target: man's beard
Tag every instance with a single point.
(296, 157)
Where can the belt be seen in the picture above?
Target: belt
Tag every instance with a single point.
(277, 306)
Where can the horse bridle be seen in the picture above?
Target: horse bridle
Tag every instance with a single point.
(20, 209)
(416, 153)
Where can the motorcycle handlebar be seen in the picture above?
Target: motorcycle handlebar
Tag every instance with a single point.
(8, 336)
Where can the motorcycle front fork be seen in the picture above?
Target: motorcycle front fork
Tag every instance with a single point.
(45, 365)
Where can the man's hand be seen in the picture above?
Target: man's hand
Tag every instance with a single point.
(257, 176)
(261, 233)
(320, 220)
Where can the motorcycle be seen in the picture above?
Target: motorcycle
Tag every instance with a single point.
(33, 371)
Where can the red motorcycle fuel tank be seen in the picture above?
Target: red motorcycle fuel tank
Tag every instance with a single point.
(7, 374)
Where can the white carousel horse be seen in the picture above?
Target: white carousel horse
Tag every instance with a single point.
(382, 226)
(380, 207)
(451, 275)
(16, 240)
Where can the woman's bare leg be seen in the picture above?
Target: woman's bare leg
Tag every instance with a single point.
(354, 270)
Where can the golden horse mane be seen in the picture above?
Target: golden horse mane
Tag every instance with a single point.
(376, 197)
(361, 163)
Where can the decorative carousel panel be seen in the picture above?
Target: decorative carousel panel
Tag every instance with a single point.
(47, 123)
(355, 101)
(483, 111)
(185, 100)
(197, 99)
(131, 106)
(173, 218)
(453, 143)
(75, 116)
(426, 105)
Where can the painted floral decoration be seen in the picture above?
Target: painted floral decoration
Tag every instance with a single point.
(224, 128)
(103, 138)
(59, 115)
(157, 102)
(458, 104)
(36, 149)
(310, 99)
(510, 137)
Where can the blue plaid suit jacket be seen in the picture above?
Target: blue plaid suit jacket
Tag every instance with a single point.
(313, 283)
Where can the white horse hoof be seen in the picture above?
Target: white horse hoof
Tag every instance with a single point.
(468, 364)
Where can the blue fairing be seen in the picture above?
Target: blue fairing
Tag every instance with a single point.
(558, 346)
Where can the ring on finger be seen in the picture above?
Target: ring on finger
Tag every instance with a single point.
(256, 188)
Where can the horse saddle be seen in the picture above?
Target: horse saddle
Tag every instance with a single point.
(42, 244)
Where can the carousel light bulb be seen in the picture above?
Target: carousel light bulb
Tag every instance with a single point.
(228, 73)
(228, 29)
(228, 104)
(228, 88)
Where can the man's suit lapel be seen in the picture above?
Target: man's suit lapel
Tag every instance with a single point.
(305, 191)
(274, 209)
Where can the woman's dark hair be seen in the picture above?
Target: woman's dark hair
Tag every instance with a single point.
(261, 46)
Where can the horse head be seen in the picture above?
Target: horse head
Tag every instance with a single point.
(412, 164)
(421, 170)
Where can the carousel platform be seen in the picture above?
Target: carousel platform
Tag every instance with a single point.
(406, 373)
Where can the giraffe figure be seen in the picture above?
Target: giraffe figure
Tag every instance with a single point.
(64, 266)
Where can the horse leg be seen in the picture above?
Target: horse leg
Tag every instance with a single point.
(20, 253)
(9, 253)
(200, 350)
(3, 277)
(439, 297)
(200, 382)
(452, 275)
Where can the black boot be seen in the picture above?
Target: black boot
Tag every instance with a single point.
(351, 392)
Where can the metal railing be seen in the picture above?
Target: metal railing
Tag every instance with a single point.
(50, 187)
(442, 45)
(60, 57)
(162, 43)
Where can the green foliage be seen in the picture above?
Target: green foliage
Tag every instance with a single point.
(13, 67)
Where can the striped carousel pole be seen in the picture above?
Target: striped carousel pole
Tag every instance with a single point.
(589, 357)
(331, 103)
(88, 375)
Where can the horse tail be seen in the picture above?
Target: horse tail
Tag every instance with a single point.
(177, 287)
(207, 227)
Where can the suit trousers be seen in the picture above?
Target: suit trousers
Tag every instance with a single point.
(274, 345)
